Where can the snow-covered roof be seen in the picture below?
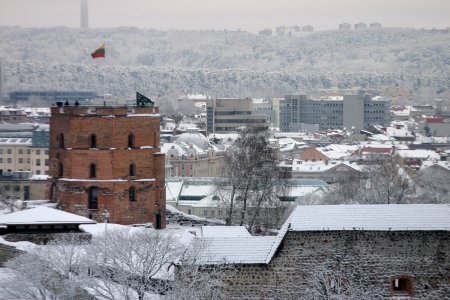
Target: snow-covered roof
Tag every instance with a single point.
(173, 189)
(443, 164)
(224, 231)
(419, 154)
(337, 151)
(235, 250)
(319, 166)
(382, 217)
(43, 215)
(15, 141)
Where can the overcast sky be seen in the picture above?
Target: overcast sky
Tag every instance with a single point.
(249, 15)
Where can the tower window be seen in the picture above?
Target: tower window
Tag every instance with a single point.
(401, 286)
(132, 169)
(93, 141)
(60, 170)
(130, 140)
(92, 171)
(61, 140)
(93, 197)
(132, 194)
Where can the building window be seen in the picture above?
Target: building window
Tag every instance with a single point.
(131, 140)
(401, 286)
(46, 162)
(38, 152)
(205, 212)
(38, 162)
(1, 151)
(20, 151)
(46, 152)
(20, 160)
(61, 140)
(132, 169)
(60, 170)
(93, 197)
(9, 151)
(1, 160)
(132, 194)
(93, 141)
(17, 188)
(92, 170)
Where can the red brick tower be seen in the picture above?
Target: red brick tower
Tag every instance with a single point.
(109, 158)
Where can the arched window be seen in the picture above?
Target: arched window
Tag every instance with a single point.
(92, 170)
(132, 193)
(93, 197)
(130, 140)
(60, 170)
(93, 141)
(61, 140)
(132, 169)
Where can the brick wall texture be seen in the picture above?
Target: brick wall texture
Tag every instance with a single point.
(71, 155)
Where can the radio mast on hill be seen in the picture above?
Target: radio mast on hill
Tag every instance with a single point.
(84, 20)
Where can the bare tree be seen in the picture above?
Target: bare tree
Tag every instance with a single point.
(328, 283)
(432, 185)
(253, 179)
(55, 271)
(133, 264)
(384, 181)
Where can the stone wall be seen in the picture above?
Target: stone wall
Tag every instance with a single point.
(7, 253)
(367, 262)
(45, 237)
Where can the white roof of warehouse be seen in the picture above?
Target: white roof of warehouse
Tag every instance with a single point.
(383, 217)
(43, 215)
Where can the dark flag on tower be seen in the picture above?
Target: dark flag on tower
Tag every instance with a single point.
(141, 100)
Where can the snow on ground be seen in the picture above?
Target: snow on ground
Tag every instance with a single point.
(24, 246)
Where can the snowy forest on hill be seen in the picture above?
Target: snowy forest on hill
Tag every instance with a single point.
(406, 64)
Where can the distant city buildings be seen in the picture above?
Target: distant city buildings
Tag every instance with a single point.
(360, 25)
(353, 112)
(24, 148)
(50, 97)
(229, 115)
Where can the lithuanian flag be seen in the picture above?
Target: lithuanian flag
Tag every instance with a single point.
(99, 52)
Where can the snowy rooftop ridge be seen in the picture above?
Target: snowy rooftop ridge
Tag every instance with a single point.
(43, 215)
(378, 217)
(224, 231)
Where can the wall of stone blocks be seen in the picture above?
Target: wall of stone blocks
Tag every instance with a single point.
(367, 260)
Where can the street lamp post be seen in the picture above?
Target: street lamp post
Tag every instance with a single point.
(105, 216)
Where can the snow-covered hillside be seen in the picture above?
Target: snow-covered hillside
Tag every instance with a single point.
(159, 63)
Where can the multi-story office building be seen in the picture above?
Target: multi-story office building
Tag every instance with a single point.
(24, 147)
(353, 112)
(227, 115)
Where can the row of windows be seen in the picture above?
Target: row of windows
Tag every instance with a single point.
(22, 151)
(93, 140)
(240, 120)
(228, 113)
(21, 160)
(93, 170)
(93, 196)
